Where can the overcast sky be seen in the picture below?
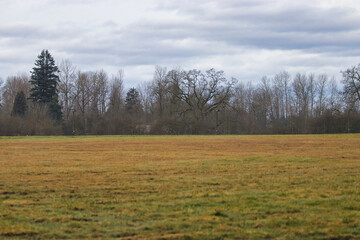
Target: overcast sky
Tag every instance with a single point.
(246, 38)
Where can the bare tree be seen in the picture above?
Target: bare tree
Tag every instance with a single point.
(321, 84)
(13, 85)
(278, 95)
(312, 93)
(103, 89)
(148, 99)
(351, 81)
(98, 92)
(335, 101)
(302, 88)
(203, 93)
(1, 90)
(115, 111)
(116, 99)
(266, 100)
(176, 105)
(260, 107)
(160, 88)
(82, 96)
(66, 86)
(282, 92)
(239, 109)
(238, 100)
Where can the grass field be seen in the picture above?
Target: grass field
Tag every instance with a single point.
(180, 187)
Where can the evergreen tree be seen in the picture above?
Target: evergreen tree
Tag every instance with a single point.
(20, 105)
(44, 81)
(132, 102)
(55, 109)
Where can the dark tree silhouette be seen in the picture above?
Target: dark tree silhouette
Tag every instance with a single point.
(351, 81)
(20, 106)
(44, 81)
(132, 102)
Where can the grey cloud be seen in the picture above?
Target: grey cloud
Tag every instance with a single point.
(232, 25)
(110, 24)
(256, 24)
(128, 52)
(20, 31)
(27, 32)
(199, 29)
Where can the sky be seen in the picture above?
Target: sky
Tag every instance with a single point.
(248, 39)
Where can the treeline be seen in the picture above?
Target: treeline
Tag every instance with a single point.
(179, 102)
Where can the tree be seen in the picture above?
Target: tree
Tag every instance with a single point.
(20, 106)
(204, 93)
(351, 81)
(1, 83)
(321, 85)
(115, 116)
(133, 102)
(82, 97)
(44, 81)
(133, 118)
(66, 86)
(116, 93)
(12, 86)
(302, 88)
(159, 88)
(148, 101)
(98, 94)
(280, 95)
(44, 78)
(55, 109)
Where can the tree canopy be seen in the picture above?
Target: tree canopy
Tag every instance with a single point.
(44, 83)
(176, 101)
(20, 105)
(351, 81)
(44, 78)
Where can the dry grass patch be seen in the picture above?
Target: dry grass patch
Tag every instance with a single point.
(180, 187)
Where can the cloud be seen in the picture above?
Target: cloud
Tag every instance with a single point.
(259, 25)
(246, 38)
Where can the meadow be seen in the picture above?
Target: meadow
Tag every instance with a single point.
(180, 187)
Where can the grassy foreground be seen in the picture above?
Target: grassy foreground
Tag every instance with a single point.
(183, 187)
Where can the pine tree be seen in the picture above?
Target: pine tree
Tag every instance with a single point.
(55, 109)
(20, 106)
(44, 81)
(132, 102)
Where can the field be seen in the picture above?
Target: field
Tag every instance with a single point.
(180, 187)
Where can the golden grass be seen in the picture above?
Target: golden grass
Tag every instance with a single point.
(180, 187)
